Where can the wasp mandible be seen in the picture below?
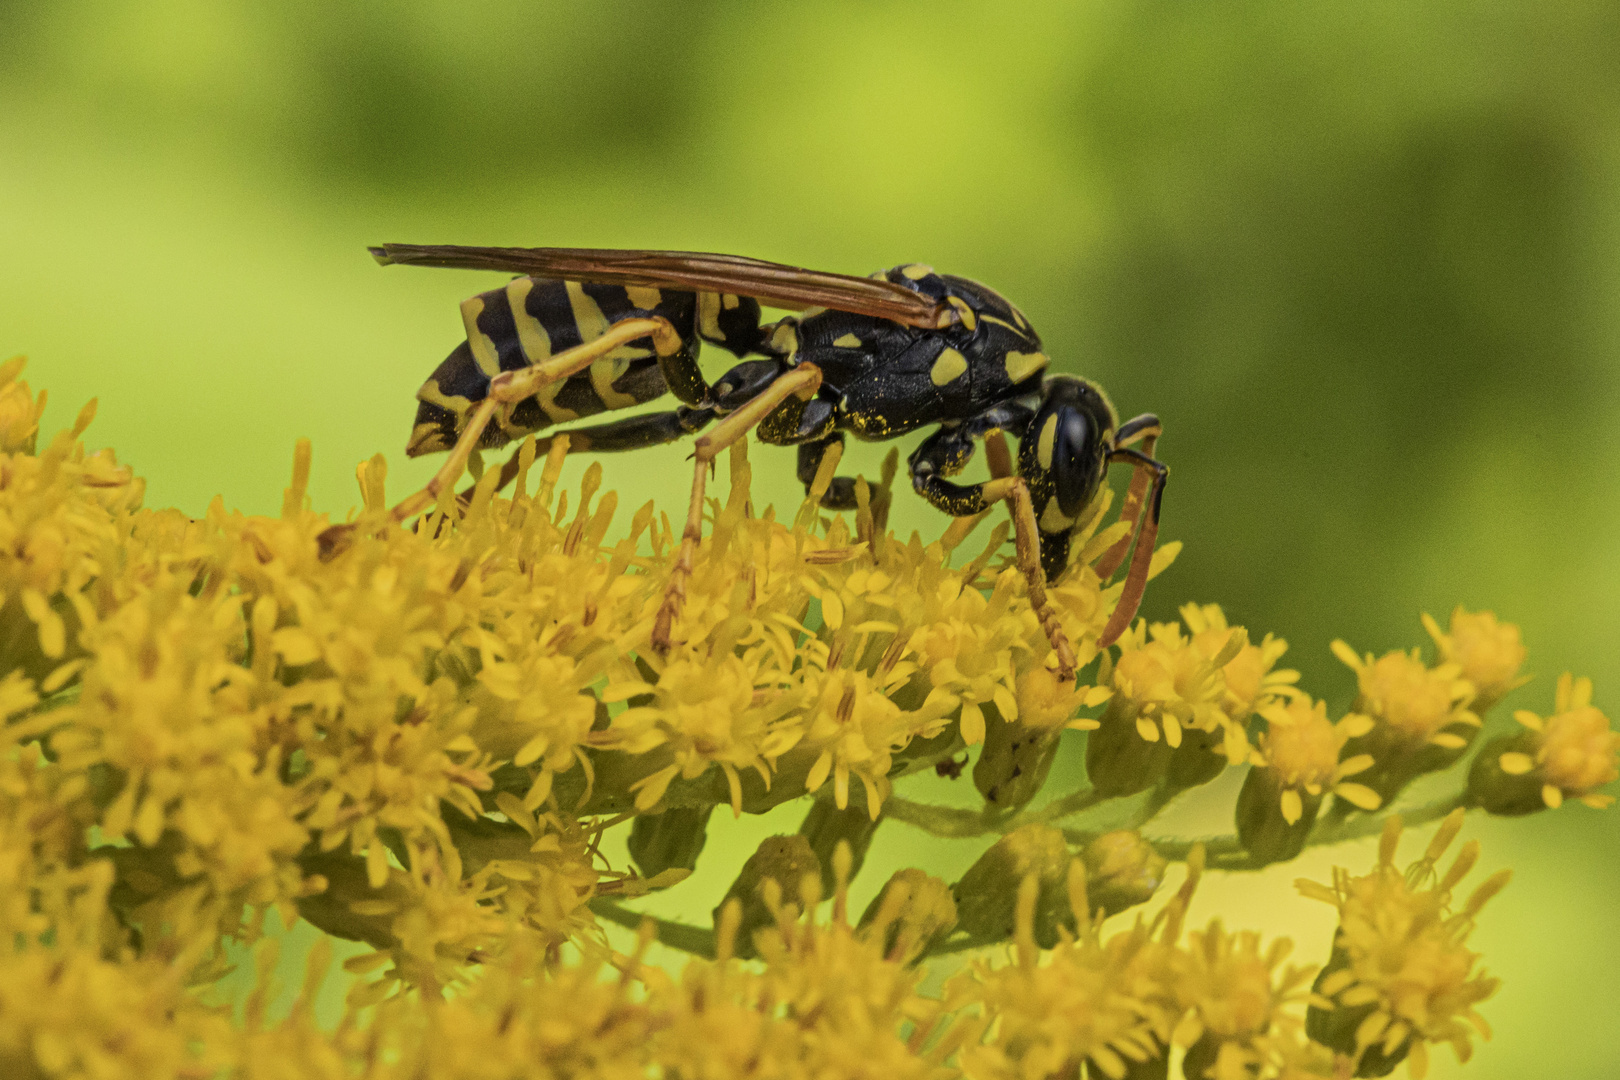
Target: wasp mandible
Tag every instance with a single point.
(584, 331)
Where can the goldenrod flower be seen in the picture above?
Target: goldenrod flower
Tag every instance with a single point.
(1164, 686)
(1488, 653)
(1421, 716)
(1234, 994)
(19, 410)
(1102, 1005)
(987, 895)
(1251, 675)
(1401, 976)
(417, 738)
(1299, 761)
(1568, 755)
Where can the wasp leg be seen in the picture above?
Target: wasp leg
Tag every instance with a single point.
(631, 433)
(1145, 429)
(506, 390)
(840, 493)
(799, 382)
(944, 453)
(1153, 474)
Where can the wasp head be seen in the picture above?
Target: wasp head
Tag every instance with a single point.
(1063, 458)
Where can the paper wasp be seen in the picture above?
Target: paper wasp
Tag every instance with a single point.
(584, 331)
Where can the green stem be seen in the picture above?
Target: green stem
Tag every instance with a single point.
(1337, 832)
(1157, 800)
(1067, 806)
(1225, 853)
(962, 944)
(677, 935)
(938, 820)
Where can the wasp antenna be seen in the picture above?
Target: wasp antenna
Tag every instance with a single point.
(381, 255)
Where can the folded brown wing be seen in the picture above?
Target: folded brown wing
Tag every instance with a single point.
(774, 284)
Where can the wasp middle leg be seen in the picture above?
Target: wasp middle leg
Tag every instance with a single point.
(796, 385)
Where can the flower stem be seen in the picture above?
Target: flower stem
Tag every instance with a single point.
(677, 935)
(938, 820)
(1067, 806)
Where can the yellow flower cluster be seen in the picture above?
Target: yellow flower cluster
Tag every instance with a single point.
(1182, 701)
(417, 739)
(1400, 977)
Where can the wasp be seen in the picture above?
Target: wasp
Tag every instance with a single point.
(584, 331)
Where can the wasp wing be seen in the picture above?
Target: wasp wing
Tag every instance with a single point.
(789, 287)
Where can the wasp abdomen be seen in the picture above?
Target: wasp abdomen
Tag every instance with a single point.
(529, 320)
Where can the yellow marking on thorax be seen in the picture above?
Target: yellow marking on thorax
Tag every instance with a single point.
(483, 349)
(729, 300)
(532, 336)
(708, 310)
(848, 341)
(1003, 322)
(1044, 447)
(948, 368)
(917, 271)
(1021, 365)
(969, 319)
(785, 340)
(644, 298)
(592, 325)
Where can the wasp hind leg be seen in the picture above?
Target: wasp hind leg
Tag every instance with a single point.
(800, 382)
(631, 433)
(505, 391)
(946, 453)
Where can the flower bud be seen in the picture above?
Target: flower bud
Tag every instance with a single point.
(1122, 870)
(1198, 760)
(1263, 824)
(987, 896)
(785, 861)
(1013, 765)
(912, 913)
(1119, 760)
(671, 840)
(826, 825)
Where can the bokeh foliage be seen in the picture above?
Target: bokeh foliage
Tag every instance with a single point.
(1362, 259)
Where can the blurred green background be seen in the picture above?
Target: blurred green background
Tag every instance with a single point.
(1363, 259)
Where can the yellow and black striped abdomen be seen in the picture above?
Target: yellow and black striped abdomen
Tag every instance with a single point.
(530, 320)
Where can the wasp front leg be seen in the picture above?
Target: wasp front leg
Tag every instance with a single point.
(946, 453)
